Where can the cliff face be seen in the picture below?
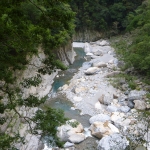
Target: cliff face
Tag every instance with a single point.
(14, 123)
(87, 36)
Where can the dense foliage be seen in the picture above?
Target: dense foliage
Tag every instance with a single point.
(27, 25)
(101, 15)
(137, 53)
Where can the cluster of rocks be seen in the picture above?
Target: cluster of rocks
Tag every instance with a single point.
(114, 113)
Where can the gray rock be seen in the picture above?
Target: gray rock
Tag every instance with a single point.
(91, 71)
(113, 142)
(134, 95)
(112, 74)
(98, 53)
(68, 144)
(124, 109)
(105, 100)
(99, 117)
(120, 64)
(77, 138)
(112, 108)
(130, 104)
(140, 105)
(99, 64)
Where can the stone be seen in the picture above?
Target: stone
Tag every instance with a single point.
(124, 109)
(79, 90)
(99, 64)
(68, 144)
(101, 129)
(98, 105)
(140, 105)
(112, 74)
(65, 131)
(65, 87)
(77, 99)
(91, 71)
(89, 54)
(76, 138)
(103, 43)
(112, 108)
(136, 95)
(99, 118)
(98, 53)
(105, 100)
(115, 141)
(130, 104)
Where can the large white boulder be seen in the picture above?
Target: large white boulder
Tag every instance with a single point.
(77, 138)
(99, 64)
(71, 127)
(101, 129)
(139, 104)
(91, 70)
(113, 142)
(99, 118)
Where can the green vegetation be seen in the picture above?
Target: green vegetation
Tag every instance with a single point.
(103, 15)
(135, 49)
(27, 25)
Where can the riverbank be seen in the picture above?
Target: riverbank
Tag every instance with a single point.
(91, 92)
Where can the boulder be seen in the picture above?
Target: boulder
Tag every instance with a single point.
(77, 138)
(140, 105)
(136, 95)
(98, 53)
(124, 109)
(113, 142)
(112, 74)
(106, 100)
(91, 70)
(68, 144)
(130, 104)
(99, 64)
(111, 108)
(65, 131)
(101, 129)
(99, 118)
(103, 43)
(77, 99)
(79, 90)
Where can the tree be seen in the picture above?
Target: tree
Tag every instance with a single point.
(26, 24)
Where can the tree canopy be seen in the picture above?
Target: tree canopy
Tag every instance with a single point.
(26, 25)
(102, 15)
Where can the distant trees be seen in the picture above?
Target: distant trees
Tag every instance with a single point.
(100, 15)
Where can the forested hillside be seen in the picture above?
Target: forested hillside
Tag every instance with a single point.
(135, 50)
(103, 15)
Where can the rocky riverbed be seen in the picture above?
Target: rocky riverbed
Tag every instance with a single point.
(114, 113)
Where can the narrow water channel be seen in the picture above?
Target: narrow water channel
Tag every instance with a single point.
(61, 102)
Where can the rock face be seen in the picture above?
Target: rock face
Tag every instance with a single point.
(101, 129)
(113, 142)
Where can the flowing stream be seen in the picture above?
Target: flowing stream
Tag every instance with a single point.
(59, 101)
